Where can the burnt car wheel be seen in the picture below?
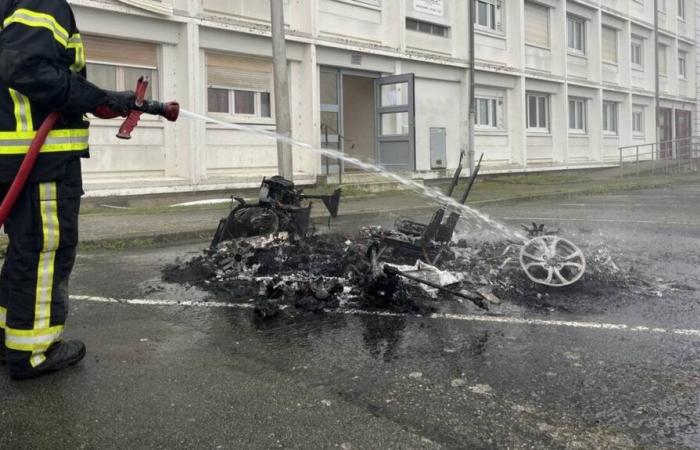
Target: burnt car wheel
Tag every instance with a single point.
(552, 261)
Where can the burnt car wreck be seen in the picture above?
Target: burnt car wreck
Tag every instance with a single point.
(268, 252)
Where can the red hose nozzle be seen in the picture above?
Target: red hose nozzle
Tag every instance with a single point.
(171, 111)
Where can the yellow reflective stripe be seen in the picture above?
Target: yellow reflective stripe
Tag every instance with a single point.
(56, 148)
(3, 317)
(32, 340)
(17, 143)
(48, 206)
(76, 43)
(37, 358)
(17, 105)
(22, 110)
(39, 20)
(29, 135)
(28, 111)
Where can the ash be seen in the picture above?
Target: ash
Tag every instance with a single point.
(322, 272)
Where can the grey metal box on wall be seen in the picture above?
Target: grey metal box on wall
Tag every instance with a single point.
(438, 148)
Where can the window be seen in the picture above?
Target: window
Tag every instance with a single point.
(577, 115)
(117, 64)
(681, 9)
(637, 52)
(576, 34)
(489, 112)
(638, 120)
(427, 27)
(682, 64)
(662, 6)
(609, 45)
(239, 86)
(538, 112)
(663, 69)
(536, 25)
(610, 117)
(488, 14)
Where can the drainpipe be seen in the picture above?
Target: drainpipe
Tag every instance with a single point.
(472, 76)
(656, 75)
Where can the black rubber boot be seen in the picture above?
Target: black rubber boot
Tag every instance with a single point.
(60, 355)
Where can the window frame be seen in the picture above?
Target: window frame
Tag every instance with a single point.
(538, 128)
(120, 80)
(576, 20)
(637, 42)
(495, 18)
(682, 64)
(583, 102)
(492, 114)
(681, 10)
(447, 30)
(611, 119)
(640, 111)
(232, 104)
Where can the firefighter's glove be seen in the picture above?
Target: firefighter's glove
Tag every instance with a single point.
(116, 104)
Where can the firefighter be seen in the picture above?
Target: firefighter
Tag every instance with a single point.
(42, 69)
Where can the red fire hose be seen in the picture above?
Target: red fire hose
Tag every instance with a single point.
(169, 110)
(27, 165)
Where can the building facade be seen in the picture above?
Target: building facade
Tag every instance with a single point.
(559, 84)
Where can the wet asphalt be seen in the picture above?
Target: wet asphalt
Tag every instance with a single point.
(198, 377)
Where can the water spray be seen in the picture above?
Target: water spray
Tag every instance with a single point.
(433, 194)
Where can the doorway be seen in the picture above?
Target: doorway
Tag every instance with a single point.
(367, 117)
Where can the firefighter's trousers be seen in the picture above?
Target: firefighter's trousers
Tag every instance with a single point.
(43, 234)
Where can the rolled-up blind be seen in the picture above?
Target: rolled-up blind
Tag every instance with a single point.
(609, 44)
(536, 24)
(119, 51)
(239, 72)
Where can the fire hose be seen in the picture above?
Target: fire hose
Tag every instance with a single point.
(169, 110)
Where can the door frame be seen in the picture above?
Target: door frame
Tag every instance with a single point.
(340, 73)
(410, 108)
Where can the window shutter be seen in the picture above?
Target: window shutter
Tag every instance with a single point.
(117, 51)
(609, 44)
(500, 106)
(239, 72)
(499, 15)
(536, 24)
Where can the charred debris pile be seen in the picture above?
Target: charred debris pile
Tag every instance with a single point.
(267, 253)
(328, 271)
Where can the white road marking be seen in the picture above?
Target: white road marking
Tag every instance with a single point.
(625, 205)
(559, 219)
(438, 316)
(215, 201)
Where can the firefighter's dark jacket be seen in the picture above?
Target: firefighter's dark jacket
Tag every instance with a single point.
(42, 69)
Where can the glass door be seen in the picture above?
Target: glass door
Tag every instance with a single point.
(395, 117)
(331, 122)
